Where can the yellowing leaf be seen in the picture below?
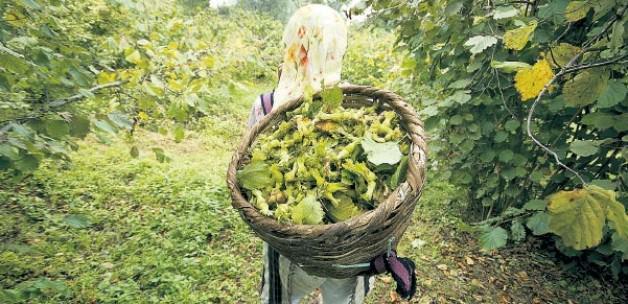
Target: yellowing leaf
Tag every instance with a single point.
(197, 84)
(529, 82)
(134, 57)
(208, 62)
(576, 10)
(176, 85)
(142, 116)
(106, 77)
(173, 45)
(154, 36)
(516, 39)
(577, 218)
(14, 18)
(585, 87)
(561, 54)
(327, 126)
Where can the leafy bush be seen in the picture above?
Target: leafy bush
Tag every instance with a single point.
(158, 67)
(500, 72)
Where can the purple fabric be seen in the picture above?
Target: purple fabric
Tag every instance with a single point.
(401, 269)
(267, 102)
(396, 267)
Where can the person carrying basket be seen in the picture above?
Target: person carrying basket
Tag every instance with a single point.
(315, 41)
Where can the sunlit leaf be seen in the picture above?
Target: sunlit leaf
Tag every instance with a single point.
(577, 10)
(578, 216)
(516, 39)
(106, 77)
(478, 44)
(509, 66)
(134, 57)
(530, 82)
(381, 153)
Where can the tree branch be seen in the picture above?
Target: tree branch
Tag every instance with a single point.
(595, 64)
(7, 124)
(533, 107)
(13, 53)
(77, 97)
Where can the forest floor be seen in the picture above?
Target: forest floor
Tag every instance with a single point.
(110, 228)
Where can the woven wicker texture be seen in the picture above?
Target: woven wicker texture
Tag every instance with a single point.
(319, 249)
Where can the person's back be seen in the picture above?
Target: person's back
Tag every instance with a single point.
(315, 42)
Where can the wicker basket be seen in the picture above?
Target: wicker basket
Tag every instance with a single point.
(330, 250)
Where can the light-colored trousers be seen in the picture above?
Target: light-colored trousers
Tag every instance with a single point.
(296, 283)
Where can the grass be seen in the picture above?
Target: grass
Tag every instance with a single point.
(110, 228)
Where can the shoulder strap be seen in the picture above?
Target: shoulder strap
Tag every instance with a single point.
(267, 100)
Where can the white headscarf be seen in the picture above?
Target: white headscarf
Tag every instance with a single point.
(316, 40)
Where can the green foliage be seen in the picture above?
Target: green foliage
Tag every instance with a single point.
(110, 228)
(505, 53)
(255, 175)
(325, 159)
(278, 9)
(579, 216)
(381, 153)
(108, 66)
(494, 238)
(309, 211)
(282, 9)
(371, 59)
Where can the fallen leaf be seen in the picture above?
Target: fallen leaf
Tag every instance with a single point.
(469, 261)
(442, 267)
(523, 275)
(418, 243)
(393, 297)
